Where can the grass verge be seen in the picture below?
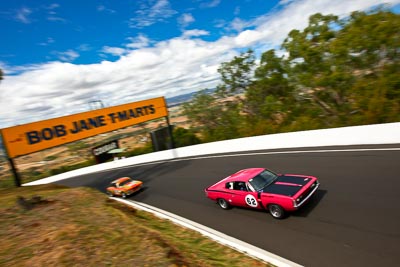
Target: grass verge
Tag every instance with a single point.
(51, 225)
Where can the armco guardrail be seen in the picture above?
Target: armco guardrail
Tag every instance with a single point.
(388, 133)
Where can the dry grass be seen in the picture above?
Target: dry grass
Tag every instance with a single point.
(82, 227)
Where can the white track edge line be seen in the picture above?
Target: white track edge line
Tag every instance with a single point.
(263, 153)
(292, 152)
(219, 237)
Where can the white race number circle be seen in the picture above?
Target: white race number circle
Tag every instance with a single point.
(251, 201)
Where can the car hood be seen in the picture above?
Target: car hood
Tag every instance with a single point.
(287, 185)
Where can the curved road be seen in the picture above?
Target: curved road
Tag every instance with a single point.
(353, 220)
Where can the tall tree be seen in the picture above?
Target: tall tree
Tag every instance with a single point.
(220, 113)
(236, 75)
(217, 118)
(312, 70)
(184, 137)
(339, 66)
(368, 44)
(204, 112)
(265, 96)
(270, 81)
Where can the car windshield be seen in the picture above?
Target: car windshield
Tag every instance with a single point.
(124, 182)
(262, 180)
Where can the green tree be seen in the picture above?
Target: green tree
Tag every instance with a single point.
(217, 118)
(368, 44)
(236, 75)
(268, 97)
(1, 75)
(368, 41)
(185, 137)
(343, 70)
(202, 110)
(318, 82)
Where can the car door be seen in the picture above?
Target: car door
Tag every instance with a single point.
(112, 188)
(242, 196)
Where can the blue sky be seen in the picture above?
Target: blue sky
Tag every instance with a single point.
(59, 55)
(39, 31)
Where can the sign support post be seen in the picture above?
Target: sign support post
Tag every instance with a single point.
(171, 136)
(17, 179)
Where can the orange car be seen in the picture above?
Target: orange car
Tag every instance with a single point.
(123, 187)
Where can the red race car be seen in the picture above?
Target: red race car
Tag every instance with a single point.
(123, 187)
(261, 188)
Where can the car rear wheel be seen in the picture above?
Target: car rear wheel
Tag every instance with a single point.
(276, 211)
(223, 204)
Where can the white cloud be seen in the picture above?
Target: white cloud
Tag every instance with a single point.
(84, 47)
(167, 68)
(115, 51)
(54, 18)
(52, 6)
(140, 41)
(210, 4)
(15, 70)
(150, 14)
(194, 33)
(102, 8)
(285, 2)
(170, 68)
(48, 41)
(238, 24)
(23, 15)
(67, 56)
(247, 38)
(52, 14)
(185, 19)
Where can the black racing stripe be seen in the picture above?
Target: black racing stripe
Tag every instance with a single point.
(279, 189)
(293, 179)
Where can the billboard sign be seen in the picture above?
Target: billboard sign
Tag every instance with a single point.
(28, 138)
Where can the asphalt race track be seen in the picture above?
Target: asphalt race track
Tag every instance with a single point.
(353, 220)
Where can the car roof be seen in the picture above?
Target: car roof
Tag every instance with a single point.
(121, 179)
(244, 175)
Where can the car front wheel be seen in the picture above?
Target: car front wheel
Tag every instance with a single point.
(123, 195)
(276, 211)
(223, 204)
(110, 194)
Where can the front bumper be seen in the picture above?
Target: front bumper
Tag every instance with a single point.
(306, 195)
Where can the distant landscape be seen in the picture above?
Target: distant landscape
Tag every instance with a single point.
(177, 100)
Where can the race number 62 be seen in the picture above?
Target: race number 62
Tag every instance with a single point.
(251, 201)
